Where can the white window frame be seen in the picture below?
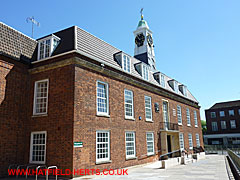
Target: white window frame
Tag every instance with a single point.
(198, 140)
(221, 113)
(233, 124)
(213, 114)
(223, 125)
(35, 97)
(145, 72)
(134, 145)
(188, 117)
(190, 141)
(150, 141)
(231, 112)
(175, 85)
(125, 103)
(195, 118)
(51, 48)
(108, 146)
(125, 64)
(31, 147)
(162, 80)
(107, 99)
(181, 141)
(166, 118)
(147, 108)
(179, 114)
(214, 126)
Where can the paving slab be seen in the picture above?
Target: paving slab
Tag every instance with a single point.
(213, 167)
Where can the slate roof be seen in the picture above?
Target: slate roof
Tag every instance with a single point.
(16, 44)
(228, 104)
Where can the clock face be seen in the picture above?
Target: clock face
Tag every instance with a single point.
(149, 40)
(139, 40)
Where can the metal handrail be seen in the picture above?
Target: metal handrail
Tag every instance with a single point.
(51, 167)
(18, 169)
(9, 167)
(169, 153)
(38, 168)
(28, 168)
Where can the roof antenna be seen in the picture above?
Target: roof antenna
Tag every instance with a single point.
(31, 19)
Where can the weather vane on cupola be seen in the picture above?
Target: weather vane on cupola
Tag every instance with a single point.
(141, 14)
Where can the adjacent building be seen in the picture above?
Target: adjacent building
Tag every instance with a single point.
(223, 124)
(72, 100)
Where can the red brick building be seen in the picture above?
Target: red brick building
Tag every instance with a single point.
(72, 100)
(223, 124)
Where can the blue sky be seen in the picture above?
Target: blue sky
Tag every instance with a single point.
(197, 42)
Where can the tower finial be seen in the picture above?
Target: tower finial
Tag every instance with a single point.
(141, 14)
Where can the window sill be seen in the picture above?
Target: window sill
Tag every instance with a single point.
(104, 162)
(130, 118)
(131, 158)
(151, 121)
(39, 115)
(103, 115)
(196, 126)
(189, 125)
(150, 155)
(180, 124)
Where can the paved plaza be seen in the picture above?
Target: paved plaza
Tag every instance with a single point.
(212, 167)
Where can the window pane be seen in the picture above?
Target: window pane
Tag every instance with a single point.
(150, 143)
(188, 117)
(38, 147)
(195, 118)
(102, 98)
(128, 96)
(179, 114)
(214, 126)
(102, 146)
(130, 144)
(41, 97)
(181, 141)
(145, 72)
(190, 141)
(148, 108)
(213, 114)
(231, 112)
(221, 113)
(223, 124)
(197, 140)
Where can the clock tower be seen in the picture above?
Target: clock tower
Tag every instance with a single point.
(144, 49)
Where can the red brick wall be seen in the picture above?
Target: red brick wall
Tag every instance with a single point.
(72, 117)
(86, 122)
(13, 99)
(226, 118)
(59, 121)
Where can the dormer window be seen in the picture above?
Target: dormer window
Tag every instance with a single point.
(145, 72)
(160, 78)
(124, 61)
(174, 85)
(142, 69)
(183, 89)
(46, 46)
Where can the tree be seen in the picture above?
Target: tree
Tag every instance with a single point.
(204, 126)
